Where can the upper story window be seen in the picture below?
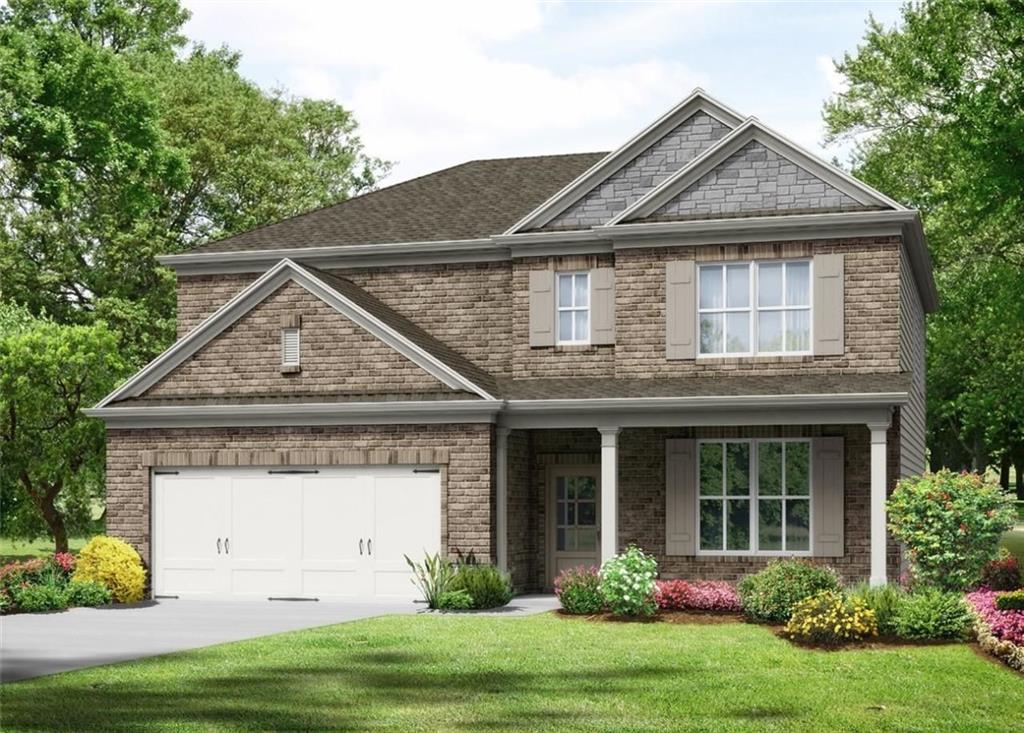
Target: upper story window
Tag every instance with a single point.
(573, 307)
(755, 308)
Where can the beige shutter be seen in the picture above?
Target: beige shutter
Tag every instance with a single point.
(542, 308)
(829, 310)
(827, 492)
(680, 310)
(602, 305)
(680, 497)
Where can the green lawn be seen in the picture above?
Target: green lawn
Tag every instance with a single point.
(538, 673)
(20, 550)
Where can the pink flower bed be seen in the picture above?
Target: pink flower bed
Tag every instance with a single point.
(697, 595)
(1005, 625)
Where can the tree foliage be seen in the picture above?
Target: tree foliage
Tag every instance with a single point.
(51, 456)
(934, 107)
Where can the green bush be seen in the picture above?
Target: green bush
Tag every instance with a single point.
(931, 613)
(829, 618)
(433, 577)
(627, 583)
(485, 585)
(35, 598)
(1012, 601)
(771, 594)
(950, 524)
(87, 593)
(579, 590)
(454, 600)
(114, 563)
(884, 600)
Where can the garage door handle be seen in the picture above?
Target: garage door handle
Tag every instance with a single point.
(218, 545)
(360, 545)
(227, 547)
(369, 547)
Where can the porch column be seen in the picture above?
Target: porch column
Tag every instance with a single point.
(609, 492)
(878, 491)
(501, 498)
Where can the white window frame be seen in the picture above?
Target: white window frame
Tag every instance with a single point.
(573, 308)
(753, 309)
(298, 347)
(754, 496)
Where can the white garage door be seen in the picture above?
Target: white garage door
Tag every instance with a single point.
(327, 533)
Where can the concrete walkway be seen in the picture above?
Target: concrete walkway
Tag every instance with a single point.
(32, 645)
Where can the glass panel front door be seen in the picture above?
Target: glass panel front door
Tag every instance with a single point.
(575, 508)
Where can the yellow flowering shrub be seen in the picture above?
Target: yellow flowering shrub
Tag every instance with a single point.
(115, 564)
(829, 618)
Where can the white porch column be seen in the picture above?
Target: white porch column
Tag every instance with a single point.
(501, 498)
(878, 491)
(609, 492)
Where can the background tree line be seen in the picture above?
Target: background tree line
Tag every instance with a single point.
(935, 107)
(119, 141)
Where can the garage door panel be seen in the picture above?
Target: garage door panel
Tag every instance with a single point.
(195, 503)
(407, 519)
(265, 522)
(347, 583)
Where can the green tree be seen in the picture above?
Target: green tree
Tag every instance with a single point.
(51, 456)
(116, 145)
(933, 107)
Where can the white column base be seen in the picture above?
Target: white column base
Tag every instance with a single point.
(878, 497)
(609, 493)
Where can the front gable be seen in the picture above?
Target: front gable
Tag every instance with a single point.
(336, 357)
(353, 345)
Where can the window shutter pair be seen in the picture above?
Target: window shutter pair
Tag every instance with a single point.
(827, 497)
(681, 307)
(602, 307)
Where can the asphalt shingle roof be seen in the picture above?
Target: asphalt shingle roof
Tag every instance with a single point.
(468, 201)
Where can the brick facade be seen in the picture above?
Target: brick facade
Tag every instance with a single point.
(464, 450)
(337, 356)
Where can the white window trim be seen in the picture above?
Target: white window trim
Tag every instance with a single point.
(559, 309)
(753, 308)
(298, 347)
(754, 496)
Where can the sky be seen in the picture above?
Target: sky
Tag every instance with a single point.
(434, 84)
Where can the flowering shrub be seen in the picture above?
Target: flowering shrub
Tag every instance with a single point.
(1003, 573)
(65, 561)
(886, 601)
(579, 590)
(627, 583)
(713, 595)
(950, 524)
(933, 614)
(771, 594)
(670, 595)
(115, 564)
(1004, 625)
(829, 618)
(1011, 601)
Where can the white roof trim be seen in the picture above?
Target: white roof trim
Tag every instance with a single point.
(860, 399)
(697, 101)
(258, 291)
(752, 130)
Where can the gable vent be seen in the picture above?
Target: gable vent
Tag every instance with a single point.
(289, 347)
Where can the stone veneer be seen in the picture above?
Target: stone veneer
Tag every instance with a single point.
(642, 497)
(463, 450)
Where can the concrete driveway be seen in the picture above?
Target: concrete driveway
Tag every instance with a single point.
(36, 644)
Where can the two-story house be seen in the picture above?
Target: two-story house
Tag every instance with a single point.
(708, 342)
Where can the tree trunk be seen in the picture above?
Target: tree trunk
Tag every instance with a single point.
(1019, 468)
(1004, 471)
(46, 502)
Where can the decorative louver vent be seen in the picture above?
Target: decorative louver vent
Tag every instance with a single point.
(289, 347)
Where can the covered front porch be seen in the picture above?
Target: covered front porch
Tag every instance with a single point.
(713, 494)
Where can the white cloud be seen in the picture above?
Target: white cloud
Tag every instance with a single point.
(837, 83)
(443, 84)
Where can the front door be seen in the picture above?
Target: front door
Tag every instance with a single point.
(574, 511)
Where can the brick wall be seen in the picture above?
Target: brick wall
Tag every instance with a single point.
(482, 310)
(465, 494)
(642, 495)
(871, 320)
(336, 356)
